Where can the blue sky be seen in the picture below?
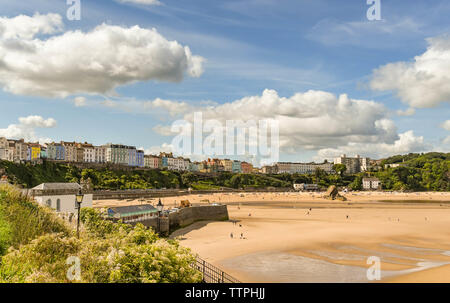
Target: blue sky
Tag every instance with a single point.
(249, 46)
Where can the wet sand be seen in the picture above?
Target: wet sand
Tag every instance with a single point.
(300, 237)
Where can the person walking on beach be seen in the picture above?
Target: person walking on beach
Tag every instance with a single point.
(231, 235)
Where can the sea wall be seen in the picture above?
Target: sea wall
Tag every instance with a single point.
(187, 216)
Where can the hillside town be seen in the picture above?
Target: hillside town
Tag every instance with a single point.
(20, 151)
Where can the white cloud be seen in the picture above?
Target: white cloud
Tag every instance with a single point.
(94, 62)
(79, 101)
(163, 130)
(26, 27)
(314, 120)
(421, 83)
(155, 107)
(26, 128)
(408, 112)
(155, 150)
(446, 125)
(143, 2)
(311, 120)
(446, 140)
(406, 143)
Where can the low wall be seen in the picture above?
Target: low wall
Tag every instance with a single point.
(153, 223)
(189, 215)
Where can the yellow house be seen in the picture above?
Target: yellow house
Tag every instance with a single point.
(35, 151)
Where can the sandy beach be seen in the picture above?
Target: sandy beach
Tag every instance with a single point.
(301, 237)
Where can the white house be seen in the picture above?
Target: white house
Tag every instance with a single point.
(60, 196)
(371, 183)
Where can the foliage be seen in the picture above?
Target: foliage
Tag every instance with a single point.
(419, 172)
(24, 220)
(107, 251)
(340, 168)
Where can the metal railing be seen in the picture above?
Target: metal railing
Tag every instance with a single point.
(211, 273)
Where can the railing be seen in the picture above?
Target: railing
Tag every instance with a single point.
(211, 273)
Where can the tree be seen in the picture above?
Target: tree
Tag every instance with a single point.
(340, 169)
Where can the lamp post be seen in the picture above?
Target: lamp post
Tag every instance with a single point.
(159, 207)
(78, 199)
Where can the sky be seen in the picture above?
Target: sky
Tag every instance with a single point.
(335, 81)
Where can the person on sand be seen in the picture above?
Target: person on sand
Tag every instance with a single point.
(231, 235)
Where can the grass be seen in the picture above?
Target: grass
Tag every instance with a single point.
(22, 220)
(204, 186)
(5, 234)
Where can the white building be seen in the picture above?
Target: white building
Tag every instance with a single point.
(60, 196)
(100, 154)
(70, 151)
(20, 150)
(353, 165)
(88, 153)
(6, 153)
(302, 168)
(371, 183)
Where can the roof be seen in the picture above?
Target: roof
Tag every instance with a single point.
(57, 186)
(132, 210)
(370, 179)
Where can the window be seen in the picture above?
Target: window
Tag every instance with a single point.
(49, 203)
(58, 205)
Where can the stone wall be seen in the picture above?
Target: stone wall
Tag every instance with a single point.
(189, 215)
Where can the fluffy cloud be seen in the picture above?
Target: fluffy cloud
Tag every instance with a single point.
(314, 120)
(406, 143)
(93, 62)
(26, 27)
(446, 140)
(155, 150)
(26, 128)
(156, 106)
(311, 120)
(408, 112)
(79, 101)
(421, 83)
(446, 125)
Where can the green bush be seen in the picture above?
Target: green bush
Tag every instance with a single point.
(107, 251)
